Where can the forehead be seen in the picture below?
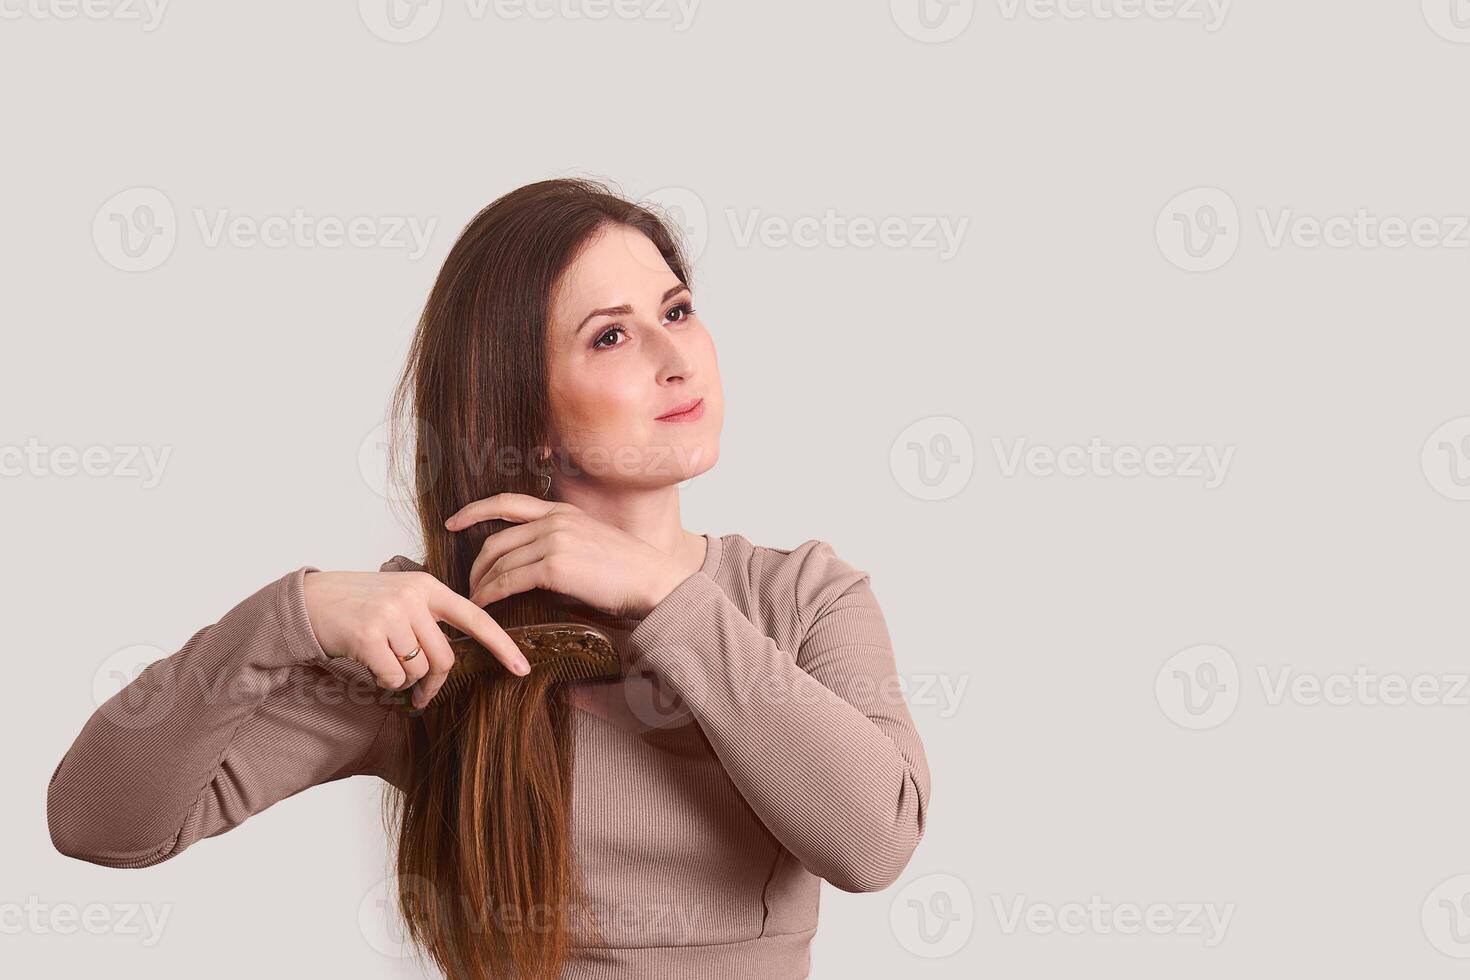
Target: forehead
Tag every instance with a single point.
(619, 265)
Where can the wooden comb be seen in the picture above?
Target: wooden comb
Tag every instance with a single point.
(561, 651)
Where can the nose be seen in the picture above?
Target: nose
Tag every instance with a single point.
(670, 359)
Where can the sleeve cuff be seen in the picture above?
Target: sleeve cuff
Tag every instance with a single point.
(291, 604)
(679, 622)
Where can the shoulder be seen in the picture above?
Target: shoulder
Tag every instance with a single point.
(398, 563)
(809, 577)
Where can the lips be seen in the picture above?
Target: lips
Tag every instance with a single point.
(686, 412)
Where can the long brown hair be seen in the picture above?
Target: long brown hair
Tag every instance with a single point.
(480, 790)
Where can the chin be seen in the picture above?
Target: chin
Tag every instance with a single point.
(686, 460)
(709, 455)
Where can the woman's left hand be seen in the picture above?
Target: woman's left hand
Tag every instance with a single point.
(560, 547)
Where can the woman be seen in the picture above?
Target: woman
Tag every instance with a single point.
(674, 821)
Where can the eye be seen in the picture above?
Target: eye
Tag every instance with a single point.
(684, 311)
(598, 345)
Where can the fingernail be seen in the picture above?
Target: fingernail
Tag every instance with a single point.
(522, 667)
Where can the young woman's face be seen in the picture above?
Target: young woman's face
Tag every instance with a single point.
(625, 349)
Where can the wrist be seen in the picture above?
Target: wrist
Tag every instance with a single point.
(664, 583)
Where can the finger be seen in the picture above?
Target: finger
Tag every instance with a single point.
(386, 669)
(403, 642)
(515, 581)
(492, 586)
(497, 544)
(451, 607)
(505, 506)
(440, 657)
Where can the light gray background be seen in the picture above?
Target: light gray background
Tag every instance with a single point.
(1046, 605)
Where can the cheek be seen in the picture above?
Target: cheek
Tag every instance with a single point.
(592, 412)
(709, 361)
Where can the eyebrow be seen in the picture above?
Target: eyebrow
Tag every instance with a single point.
(625, 308)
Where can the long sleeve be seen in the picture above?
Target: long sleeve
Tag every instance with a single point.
(819, 741)
(248, 712)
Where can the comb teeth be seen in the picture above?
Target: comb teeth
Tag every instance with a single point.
(562, 651)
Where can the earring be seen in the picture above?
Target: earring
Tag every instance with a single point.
(546, 462)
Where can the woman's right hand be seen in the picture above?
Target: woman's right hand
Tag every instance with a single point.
(376, 617)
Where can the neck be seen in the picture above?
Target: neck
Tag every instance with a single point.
(650, 514)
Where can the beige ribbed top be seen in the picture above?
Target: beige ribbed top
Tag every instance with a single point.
(759, 744)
